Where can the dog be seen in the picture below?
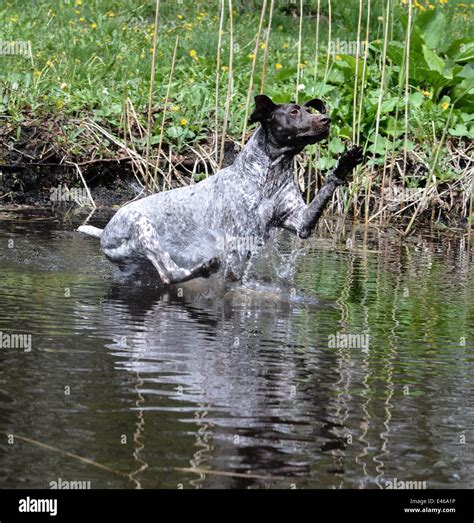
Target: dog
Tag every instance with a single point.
(192, 231)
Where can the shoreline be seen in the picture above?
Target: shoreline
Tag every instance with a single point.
(40, 166)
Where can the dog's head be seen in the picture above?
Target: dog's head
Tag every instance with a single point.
(292, 124)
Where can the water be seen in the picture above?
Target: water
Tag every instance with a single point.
(256, 385)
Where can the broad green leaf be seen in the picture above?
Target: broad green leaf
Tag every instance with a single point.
(432, 24)
(459, 130)
(415, 99)
(336, 145)
(433, 61)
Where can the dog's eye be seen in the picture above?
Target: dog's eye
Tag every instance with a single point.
(295, 112)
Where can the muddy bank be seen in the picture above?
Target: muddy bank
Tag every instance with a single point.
(57, 161)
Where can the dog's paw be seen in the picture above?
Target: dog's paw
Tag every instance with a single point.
(348, 161)
(211, 266)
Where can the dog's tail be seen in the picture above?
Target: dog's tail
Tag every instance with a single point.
(91, 231)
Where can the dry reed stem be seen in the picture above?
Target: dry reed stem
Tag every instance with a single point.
(229, 82)
(218, 67)
(265, 51)
(316, 51)
(298, 61)
(152, 86)
(379, 107)
(165, 109)
(252, 70)
(354, 111)
(329, 40)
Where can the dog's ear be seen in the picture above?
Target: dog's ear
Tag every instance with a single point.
(264, 107)
(317, 104)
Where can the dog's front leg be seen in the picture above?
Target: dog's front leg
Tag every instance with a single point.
(309, 216)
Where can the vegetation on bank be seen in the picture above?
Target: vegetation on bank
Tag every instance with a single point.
(397, 76)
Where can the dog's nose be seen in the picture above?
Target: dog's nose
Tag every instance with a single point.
(325, 120)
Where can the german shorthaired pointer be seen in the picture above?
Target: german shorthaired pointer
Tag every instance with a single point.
(191, 231)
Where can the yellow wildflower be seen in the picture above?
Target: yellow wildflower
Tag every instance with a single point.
(77, 12)
(263, 45)
(444, 106)
(193, 54)
(251, 56)
(82, 19)
(94, 25)
(426, 93)
(79, 2)
(110, 14)
(442, 2)
(225, 68)
(180, 17)
(278, 66)
(37, 74)
(338, 57)
(183, 121)
(286, 45)
(175, 108)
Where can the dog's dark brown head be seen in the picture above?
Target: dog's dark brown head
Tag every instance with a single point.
(292, 125)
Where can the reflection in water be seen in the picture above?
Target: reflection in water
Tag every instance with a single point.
(239, 383)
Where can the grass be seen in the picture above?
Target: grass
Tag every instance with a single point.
(91, 60)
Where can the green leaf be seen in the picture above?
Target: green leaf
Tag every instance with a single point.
(432, 25)
(462, 51)
(415, 99)
(459, 130)
(388, 105)
(336, 146)
(433, 61)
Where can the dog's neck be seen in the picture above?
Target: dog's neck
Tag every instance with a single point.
(268, 164)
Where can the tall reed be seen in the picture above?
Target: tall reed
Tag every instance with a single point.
(150, 95)
(252, 71)
(163, 117)
(316, 49)
(265, 51)
(218, 69)
(379, 107)
(298, 63)
(329, 40)
(230, 79)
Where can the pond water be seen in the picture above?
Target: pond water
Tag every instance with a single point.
(346, 361)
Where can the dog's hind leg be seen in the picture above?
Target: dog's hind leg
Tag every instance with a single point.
(151, 246)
